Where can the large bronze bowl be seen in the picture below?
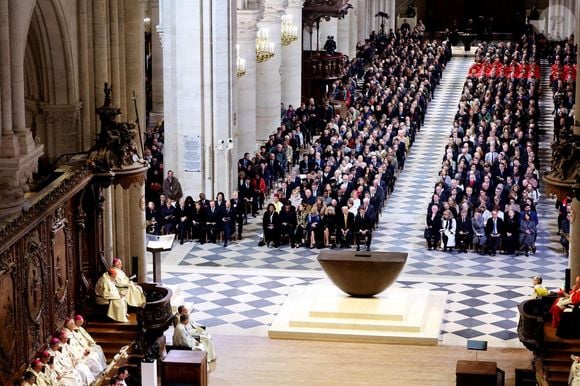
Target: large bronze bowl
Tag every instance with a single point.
(362, 274)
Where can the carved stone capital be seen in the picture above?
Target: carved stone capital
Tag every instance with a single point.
(273, 10)
(247, 24)
(295, 3)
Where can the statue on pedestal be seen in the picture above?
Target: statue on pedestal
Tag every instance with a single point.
(115, 146)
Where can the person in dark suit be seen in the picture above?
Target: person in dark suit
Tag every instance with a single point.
(213, 218)
(186, 215)
(198, 223)
(464, 233)
(493, 231)
(247, 197)
(306, 165)
(287, 219)
(270, 226)
(245, 164)
(363, 225)
(344, 228)
(433, 228)
(511, 232)
(238, 206)
(227, 224)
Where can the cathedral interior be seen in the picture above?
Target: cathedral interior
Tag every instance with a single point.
(119, 118)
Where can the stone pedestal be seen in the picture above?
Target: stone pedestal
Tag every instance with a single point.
(291, 69)
(246, 28)
(399, 315)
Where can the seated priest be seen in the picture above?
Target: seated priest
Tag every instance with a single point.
(108, 293)
(58, 378)
(65, 363)
(76, 359)
(565, 300)
(93, 354)
(133, 292)
(197, 330)
(182, 336)
(36, 367)
(574, 377)
(87, 338)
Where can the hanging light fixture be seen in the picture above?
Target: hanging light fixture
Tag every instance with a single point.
(289, 30)
(264, 47)
(240, 63)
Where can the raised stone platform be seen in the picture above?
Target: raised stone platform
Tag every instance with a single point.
(323, 312)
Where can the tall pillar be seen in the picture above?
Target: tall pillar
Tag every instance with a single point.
(136, 218)
(268, 79)
(108, 225)
(115, 77)
(100, 48)
(352, 28)
(198, 68)
(574, 251)
(246, 29)
(291, 71)
(135, 62)
(343, 35)
(84, 77)
(361, 13)
(156, 60)
(9, 143)
(17, 48)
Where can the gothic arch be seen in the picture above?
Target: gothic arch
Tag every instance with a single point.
(52, 105)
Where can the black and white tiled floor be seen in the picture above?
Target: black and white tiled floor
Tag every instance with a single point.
(239, 289)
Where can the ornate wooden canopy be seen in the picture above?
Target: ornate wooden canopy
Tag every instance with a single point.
(314, 10)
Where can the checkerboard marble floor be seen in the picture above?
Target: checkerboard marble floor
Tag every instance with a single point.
(239, 289)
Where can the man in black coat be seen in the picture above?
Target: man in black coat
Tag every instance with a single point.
(344, 228)
(464, 232)
(494, 231)
(363, 225)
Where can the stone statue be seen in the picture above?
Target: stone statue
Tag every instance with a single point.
(115, 146)
(565, 155)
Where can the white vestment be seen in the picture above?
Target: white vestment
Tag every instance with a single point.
(63, 367)
(133, 292)
(182, 336)
(92, 360)
(79, 363)
(574, 379)
(108, 293)
(88, 342)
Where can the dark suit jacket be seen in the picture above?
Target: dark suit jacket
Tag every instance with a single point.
(361, 223)
(489, 226)
(340, 224)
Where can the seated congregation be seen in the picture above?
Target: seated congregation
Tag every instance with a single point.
(327, 174)
(486, 195)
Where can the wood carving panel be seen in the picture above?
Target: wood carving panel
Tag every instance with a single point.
(59, 256)
(7, 316)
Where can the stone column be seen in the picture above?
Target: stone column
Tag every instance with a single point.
(574, 252)
(343, 35)
(87, 113)
(352, 28)
(108, 224)
(361, 13)
(9, 143)
(136, 219)
(115, 76)
(135, 63)
(268, 79)
(17, 48)
(291, 71)
(246, 29)
(100, 51)
(156, 60)
(198, 70)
